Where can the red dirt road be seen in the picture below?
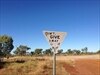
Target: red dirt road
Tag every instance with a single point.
(84, 67)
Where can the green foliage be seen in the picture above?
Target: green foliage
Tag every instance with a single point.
(32, 53)
(84, 50)
(6, 45)
(77, 52)
(38, 51)
(69, 51)
(21, 50)
(47, 52)
(60, 51)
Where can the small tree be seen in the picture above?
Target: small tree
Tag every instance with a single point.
(69, 51)
(47, 52)
(38, 51)
(32, 53)
(21, 50)
(77, 52)
(84, 50)
(6, 45)
(60, 51)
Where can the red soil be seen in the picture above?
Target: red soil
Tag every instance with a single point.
(84, 67)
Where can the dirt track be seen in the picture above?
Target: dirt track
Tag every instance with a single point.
(84, 66)
(88, 67)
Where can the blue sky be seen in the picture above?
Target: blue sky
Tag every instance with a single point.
(25, 21)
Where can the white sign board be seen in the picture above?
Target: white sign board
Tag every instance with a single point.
(55, 39)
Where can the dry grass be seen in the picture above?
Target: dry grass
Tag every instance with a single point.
(35, 66)
(28, 65)
(19, 68)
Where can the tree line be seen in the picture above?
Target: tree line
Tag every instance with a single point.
(6, 46)
(23, 50)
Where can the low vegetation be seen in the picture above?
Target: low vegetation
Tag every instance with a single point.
(29, 66)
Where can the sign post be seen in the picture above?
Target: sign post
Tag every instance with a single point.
(55, 39)
(54, 63)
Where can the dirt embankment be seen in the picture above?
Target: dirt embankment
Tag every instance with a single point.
(88, 66)
(83, 66)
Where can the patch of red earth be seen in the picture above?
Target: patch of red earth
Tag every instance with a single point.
(70, 69)
(84, 67)
(88, 66)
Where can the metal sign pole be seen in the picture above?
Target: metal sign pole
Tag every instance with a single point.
(54, 62)
(55, 39)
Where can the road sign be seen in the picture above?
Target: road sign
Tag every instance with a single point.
(55, 39)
